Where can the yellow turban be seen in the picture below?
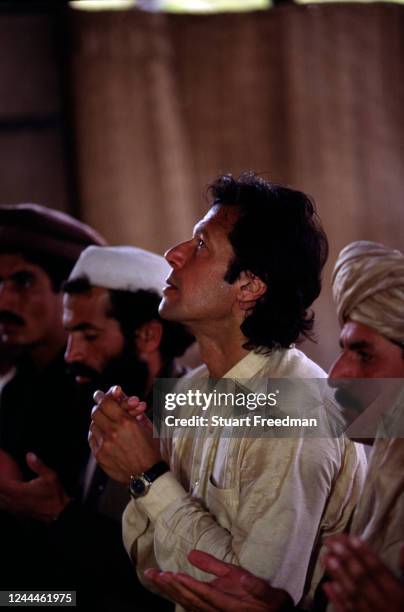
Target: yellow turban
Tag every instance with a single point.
(368, 287)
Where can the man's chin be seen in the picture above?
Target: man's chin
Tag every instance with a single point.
(13, 337)
(14, 346)
(168, 310)
(83, 380)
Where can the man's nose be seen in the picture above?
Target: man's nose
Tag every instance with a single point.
(341, 368)
(177, 255)
(74, 349)
(8, 296)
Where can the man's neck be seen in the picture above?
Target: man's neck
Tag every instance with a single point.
(221, 352)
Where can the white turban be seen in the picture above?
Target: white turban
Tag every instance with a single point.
(368, 287)
(122, 267)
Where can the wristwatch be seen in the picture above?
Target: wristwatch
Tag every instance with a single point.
(140, 485)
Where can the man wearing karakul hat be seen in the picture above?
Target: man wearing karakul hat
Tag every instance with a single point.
(38, 248)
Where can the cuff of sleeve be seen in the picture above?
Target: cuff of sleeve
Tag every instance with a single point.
(163, 492)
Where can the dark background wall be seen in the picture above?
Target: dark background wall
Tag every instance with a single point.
(34, 132)
(122, 118)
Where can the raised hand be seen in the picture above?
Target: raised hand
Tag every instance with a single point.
(121, 442)
(42, 498)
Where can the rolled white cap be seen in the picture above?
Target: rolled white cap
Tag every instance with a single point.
(124, 268)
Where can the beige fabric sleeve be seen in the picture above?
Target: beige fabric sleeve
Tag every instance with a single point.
(268, 522)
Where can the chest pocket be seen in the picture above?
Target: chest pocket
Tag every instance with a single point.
(223, 504)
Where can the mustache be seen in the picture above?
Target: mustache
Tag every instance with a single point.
(7, 316)
(79, 369)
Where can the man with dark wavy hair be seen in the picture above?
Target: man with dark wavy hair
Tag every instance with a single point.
(244, 284)
(277, 237)
(365, 569)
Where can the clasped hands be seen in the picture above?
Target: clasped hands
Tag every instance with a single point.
(121, 435)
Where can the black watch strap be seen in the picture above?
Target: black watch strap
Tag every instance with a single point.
(158, 469)
(140, 485)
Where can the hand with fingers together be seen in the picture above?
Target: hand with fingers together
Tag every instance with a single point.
(233, 590)
(121, 436)
(360, 581)
(133, 405)
(42, 498)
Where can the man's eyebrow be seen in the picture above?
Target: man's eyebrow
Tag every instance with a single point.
(200, 228)
(19, 276)
(359, 345)
(82, 327)
(23, 273)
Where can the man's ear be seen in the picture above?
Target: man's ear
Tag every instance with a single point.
(148, 337)
(251, 288)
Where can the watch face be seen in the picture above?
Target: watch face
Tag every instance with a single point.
(137, 487)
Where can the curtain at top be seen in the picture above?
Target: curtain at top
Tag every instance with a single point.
(311, 96)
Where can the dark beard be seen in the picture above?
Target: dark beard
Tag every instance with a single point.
(125, 370)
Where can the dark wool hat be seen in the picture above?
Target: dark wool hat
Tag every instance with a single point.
(37, 229)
